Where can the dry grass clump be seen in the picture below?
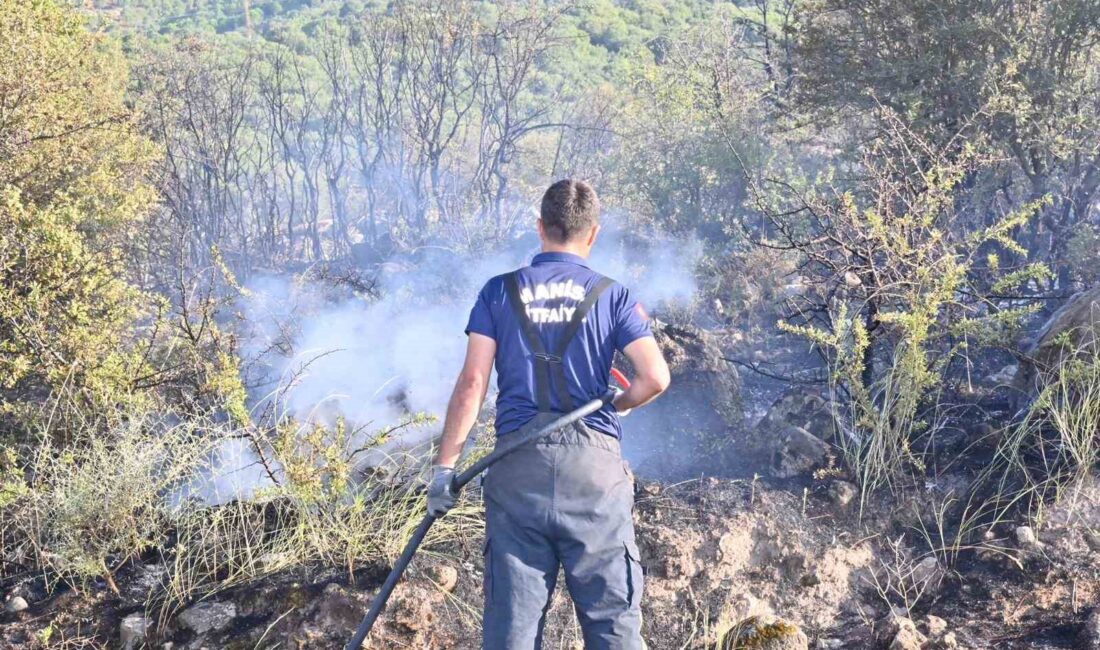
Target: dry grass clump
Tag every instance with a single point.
(1044, 456)
(88, 507)
(319, 509)
(80, 510)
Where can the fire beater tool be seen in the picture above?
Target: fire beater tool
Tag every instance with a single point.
(459, 482)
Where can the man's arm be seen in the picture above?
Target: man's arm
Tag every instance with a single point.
(466, 400)
(651, 378)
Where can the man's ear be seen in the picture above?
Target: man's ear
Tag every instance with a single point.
(592, 234)
(541, 229)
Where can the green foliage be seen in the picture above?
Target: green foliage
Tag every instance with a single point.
(72, 191)
(906, 265)
(1019, 76)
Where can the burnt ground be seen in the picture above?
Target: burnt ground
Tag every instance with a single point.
(715, 551)
(722, 538)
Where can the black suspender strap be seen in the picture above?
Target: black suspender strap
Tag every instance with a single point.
(549, 368)
(531, 333)
(569, 334)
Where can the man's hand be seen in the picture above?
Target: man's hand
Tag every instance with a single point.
(441, 496)
(618, 393)
(651, 376)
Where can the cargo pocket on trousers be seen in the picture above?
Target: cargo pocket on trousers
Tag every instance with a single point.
(634, 575)
(487, 558)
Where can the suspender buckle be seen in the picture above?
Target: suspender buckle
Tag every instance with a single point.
(549, 358)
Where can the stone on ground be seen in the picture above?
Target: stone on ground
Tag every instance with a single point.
(764, 633)
(901, 633)
(1025, 537)
(132, 631)
(208, 617)
(445, 577)
(798, 452)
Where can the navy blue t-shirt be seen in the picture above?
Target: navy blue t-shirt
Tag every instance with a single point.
(551, 288)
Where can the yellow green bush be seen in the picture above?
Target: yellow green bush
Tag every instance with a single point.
(73, 187)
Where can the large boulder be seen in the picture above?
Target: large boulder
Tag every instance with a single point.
(703, 382)
(1072, 330)
(683, 433)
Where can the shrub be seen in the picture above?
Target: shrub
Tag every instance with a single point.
(900, 279)
(73, 188)
(90, 507)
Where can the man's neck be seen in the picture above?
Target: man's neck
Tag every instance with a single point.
(565, 248)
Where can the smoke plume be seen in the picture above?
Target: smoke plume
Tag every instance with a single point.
(376, 362)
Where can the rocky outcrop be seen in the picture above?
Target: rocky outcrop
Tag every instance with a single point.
(1073, 329)
(698, 370)
(793, 434)
(684, 433)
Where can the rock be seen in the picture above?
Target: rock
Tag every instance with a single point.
(1072, 330)
(16, 604)
(841, 493)
(948, 641)
(709, 384)
(1004, 376)
(1025, 537)
(797, 451)
(146, 581)
(800, 407)
(907, 637)
(208, 617)
(414, 608)
(764, 633)
(928, 573)
(934, 626)
(851, 279)
(703, 402)
(132, 631)
(445, 577)
(899, 632)
(1090, 633)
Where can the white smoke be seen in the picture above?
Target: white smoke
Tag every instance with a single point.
(375, 363)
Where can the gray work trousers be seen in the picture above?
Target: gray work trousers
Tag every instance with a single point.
(564, 500)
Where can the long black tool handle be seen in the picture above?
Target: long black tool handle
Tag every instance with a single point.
(501, 451)
(391, 582)
(458, 483)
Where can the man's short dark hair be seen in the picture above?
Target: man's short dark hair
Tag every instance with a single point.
(569, 209)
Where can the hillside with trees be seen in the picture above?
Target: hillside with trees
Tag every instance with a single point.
(238, 239)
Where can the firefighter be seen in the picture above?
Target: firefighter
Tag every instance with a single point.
(566, 499)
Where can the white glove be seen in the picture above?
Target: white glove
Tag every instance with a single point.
(441, 497)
